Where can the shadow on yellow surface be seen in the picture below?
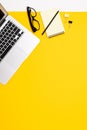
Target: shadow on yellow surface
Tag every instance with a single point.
(49, 91)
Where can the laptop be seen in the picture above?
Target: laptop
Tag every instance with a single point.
(16, 44)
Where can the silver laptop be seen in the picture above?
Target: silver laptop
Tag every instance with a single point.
(16, 44)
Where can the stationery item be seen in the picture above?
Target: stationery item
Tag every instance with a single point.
(52, 22)
(70, 21)
(66, 15)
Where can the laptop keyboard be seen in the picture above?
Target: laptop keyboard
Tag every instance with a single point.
(9, 35)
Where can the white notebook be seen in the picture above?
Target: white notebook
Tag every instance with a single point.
(56, 27)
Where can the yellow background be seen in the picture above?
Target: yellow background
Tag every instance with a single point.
(49, 91)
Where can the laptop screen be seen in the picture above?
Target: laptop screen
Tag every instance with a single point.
(1, 14)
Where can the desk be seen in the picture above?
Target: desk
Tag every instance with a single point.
(49, 91)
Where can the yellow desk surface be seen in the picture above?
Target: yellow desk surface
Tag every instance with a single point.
(49, 91)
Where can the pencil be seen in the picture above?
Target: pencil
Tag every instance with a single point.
(50, 22)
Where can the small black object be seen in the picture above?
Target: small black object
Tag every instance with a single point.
(70, 22)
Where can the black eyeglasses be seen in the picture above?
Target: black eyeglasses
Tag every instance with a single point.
(35, 26)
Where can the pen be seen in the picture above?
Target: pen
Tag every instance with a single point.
(50, 23)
